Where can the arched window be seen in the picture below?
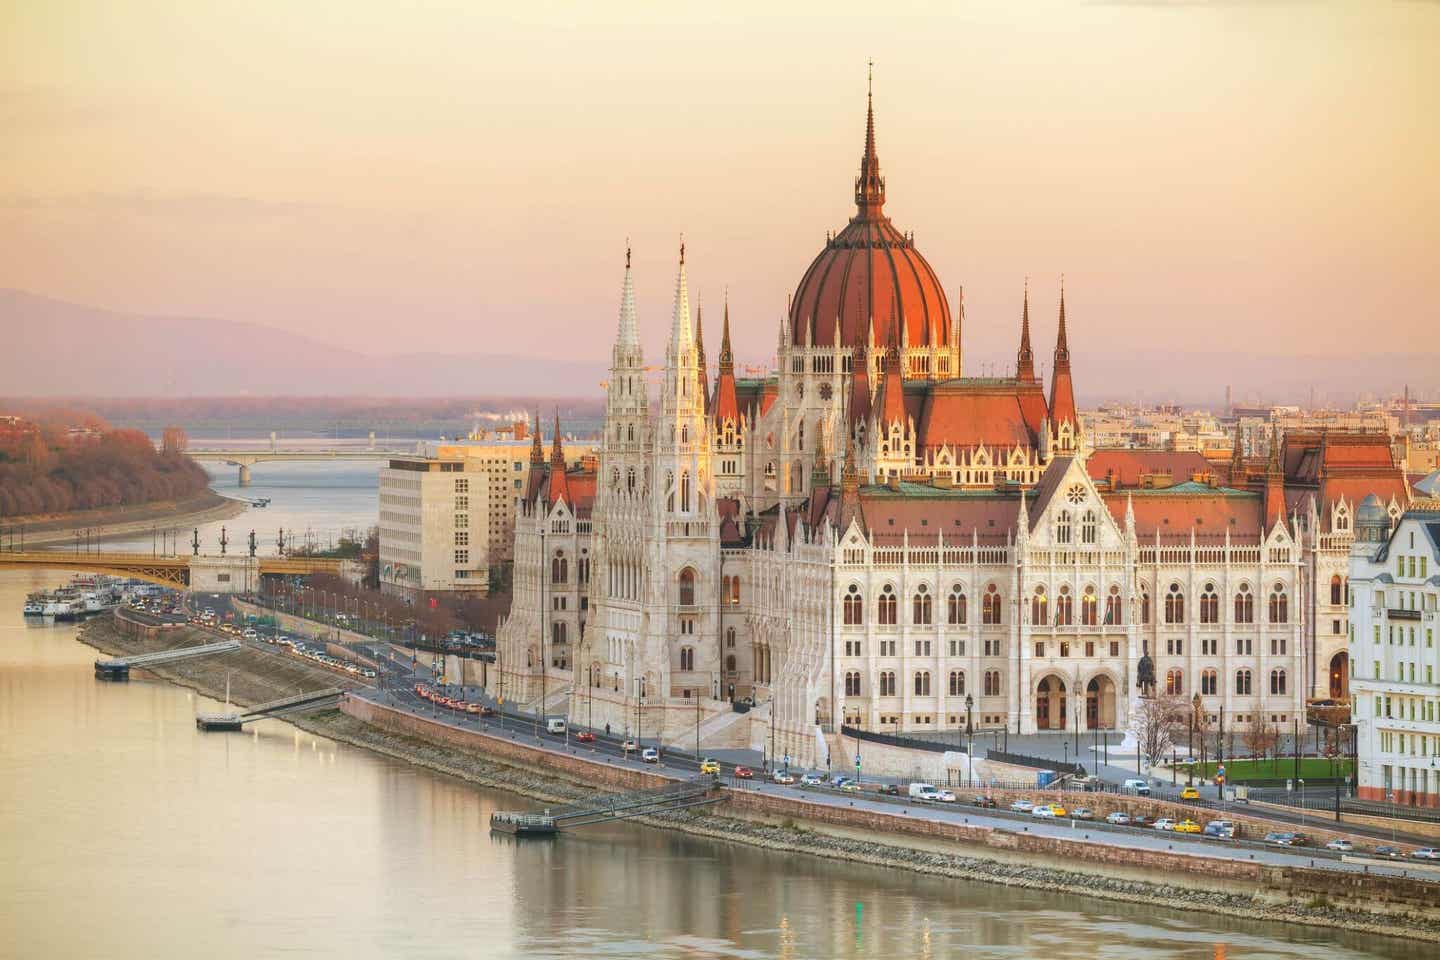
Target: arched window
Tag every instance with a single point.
(957, 612)
(1064, 608)
(1279, 604)
(990, 612)
(1242, 683)
(1087, 527)
(922, 607)
(1114, 608)
(1244, 604)
(1277, 682)
(1174, 605)
(1337, 591)
(1062, 527)
(887, 683)
(1209, 683)
(957, 683)
(1209, 605)
(852, 683)
(687, 587)
(853, 606)
(559, 568)
(687, 658)
(922, 683)
(1089, 607)
(1174, 682)
(1039, 607)
(888, 607)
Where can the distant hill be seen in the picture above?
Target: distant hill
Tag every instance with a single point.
(54, 348)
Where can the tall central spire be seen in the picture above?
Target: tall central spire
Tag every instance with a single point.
(870, 185)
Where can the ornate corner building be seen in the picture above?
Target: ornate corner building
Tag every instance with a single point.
(868, 537)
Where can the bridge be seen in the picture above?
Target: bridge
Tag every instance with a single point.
(285, 706)
(613, 806)
(208, 573)
(247, 457)
(118, 668)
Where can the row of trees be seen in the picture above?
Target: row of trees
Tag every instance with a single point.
(53, 471)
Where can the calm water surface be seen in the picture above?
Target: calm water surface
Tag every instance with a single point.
(126, 833)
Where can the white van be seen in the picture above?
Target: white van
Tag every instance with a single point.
(555, 725)
(923, 791)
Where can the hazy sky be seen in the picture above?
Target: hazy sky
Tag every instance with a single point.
(462, 176)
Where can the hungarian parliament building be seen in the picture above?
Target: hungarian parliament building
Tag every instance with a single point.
(868, 538)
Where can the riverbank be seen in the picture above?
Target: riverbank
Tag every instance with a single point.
(747, 820)
(111, 523)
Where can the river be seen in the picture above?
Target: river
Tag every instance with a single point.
(126, 833)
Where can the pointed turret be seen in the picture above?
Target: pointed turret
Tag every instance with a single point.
(727, 406)
(1025, 357)
(559, 484)
(1062, 391)
(870, 185)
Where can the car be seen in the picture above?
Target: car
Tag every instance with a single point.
(1390, 852)
(1187, 826)
(1278, 838)
(782, 776)
(1136, 786)
(1425, 853)
(984, 802)
(649, 755)
(1119, 818)
(744, 773)
(629, 746)
(811, 780)
(1189, 793)
(1082, 813)
(1340, 845)
(1164, 823)
(1022, 806)
(1043, 812)
(710, 765)
(584, 736)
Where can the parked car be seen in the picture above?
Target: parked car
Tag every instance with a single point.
(710, 765)
(1340, 845)
(649, 755)
(811, 780)
(782, 776)
(1425, 853)
(1187, 826)
(1119, 818)
(983, 801)
(1082, 813)
(1136, 786)
(1164, 823)
(744, 773)
(1390, 852)
(584, 736)
(1022, 806)
(1189, 793)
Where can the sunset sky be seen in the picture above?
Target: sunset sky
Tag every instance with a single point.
(462, 176)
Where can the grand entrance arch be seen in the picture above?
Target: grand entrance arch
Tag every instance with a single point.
(1340, 676)
(1050, 703)
(1100, 703)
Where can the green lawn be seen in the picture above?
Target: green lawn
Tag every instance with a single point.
(1239, 771)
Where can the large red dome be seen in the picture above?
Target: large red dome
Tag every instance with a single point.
(870, 270)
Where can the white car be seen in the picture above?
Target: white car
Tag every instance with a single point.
(1022, 806)
(1165, 823)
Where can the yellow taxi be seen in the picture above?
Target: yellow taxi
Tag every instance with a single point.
(1189, 793)
(1187, 826)
(710, 766)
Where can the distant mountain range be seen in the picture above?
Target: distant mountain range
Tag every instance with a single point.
(52, 348)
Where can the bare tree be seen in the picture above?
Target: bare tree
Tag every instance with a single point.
(1157, 722)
